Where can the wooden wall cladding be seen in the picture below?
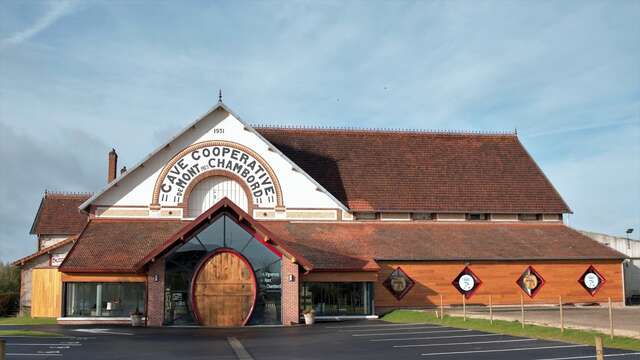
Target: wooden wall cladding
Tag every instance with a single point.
(498, 280)
(347, 276)
(46, 294)
(104, 277)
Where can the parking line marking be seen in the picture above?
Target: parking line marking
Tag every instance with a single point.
(103, 331)
(436, 337)
(414, 333)
(21, 344)
(369, 326)
(394, 329)
(591, 356)
(465, 343)
(38, 337)
(504, 350)
(238, 349)
(16, 354)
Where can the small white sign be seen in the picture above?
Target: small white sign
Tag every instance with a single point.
(56, 259)
(591, 280)
(466, 282)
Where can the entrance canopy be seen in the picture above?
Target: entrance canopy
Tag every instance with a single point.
(260, 232)
(128, 245)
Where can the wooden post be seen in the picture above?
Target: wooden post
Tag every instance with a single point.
(522, 310)
(599, 350)
(490, 310)
(610, 318)
(464, 308)
(561, 314)
(441, 308)
(2, 349)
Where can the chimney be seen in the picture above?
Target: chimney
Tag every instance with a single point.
(113, 165)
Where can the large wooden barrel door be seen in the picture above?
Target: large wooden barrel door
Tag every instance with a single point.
(224, 290)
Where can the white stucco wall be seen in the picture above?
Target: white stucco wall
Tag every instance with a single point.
(136, 189)
(47, 240)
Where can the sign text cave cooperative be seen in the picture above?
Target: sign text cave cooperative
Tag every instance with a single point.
(218, 157)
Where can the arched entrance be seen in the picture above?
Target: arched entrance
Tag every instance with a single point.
(223, 274)
(224, 290)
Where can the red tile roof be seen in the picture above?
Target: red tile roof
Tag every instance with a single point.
(117, 245)
(439, 172)
(58, 214)
(126, 245)
(342, 246)
(46, 250)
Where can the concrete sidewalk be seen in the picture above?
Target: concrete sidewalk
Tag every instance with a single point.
(626, 320)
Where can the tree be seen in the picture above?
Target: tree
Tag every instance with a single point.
(9, 289)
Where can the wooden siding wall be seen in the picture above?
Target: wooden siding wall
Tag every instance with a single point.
(498, 280)
(46, 293)
(104, 277)
(349, 276)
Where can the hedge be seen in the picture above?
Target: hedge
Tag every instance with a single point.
(9, 303)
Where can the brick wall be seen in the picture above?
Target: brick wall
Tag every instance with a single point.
(155, 294)
(290, 293)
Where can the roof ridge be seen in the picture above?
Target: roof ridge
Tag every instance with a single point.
(71, 194)
(383, 130)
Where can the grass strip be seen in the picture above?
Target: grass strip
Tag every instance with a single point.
(26, 320)
(26, 333)
(514, 328)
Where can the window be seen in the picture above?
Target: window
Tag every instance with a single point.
(335, 299)
(421, 216)
(211, 190)
(476, 217)
(222, 232)
(366, 216)
(529, 217)
(103, 299)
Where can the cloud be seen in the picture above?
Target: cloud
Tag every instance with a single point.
(564, 74)
(601, 186)
(67, 159)
(591, 126)
(56, 11)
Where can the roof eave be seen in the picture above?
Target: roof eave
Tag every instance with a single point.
(535, 258)
(45, 251)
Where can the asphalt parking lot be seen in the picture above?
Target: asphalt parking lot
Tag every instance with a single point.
(346, 340)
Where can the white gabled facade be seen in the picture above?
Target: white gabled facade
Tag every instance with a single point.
(218, 144)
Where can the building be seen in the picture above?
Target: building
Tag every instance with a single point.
(228, 224)
(631, 248)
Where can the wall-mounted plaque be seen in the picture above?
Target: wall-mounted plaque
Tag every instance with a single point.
(398, 283)
(592, 280)
(57, 259)
(530, 281)
(467, 282)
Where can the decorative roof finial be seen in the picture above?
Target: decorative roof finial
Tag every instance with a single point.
(220, 95)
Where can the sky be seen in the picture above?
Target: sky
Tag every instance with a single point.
(80, 77)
